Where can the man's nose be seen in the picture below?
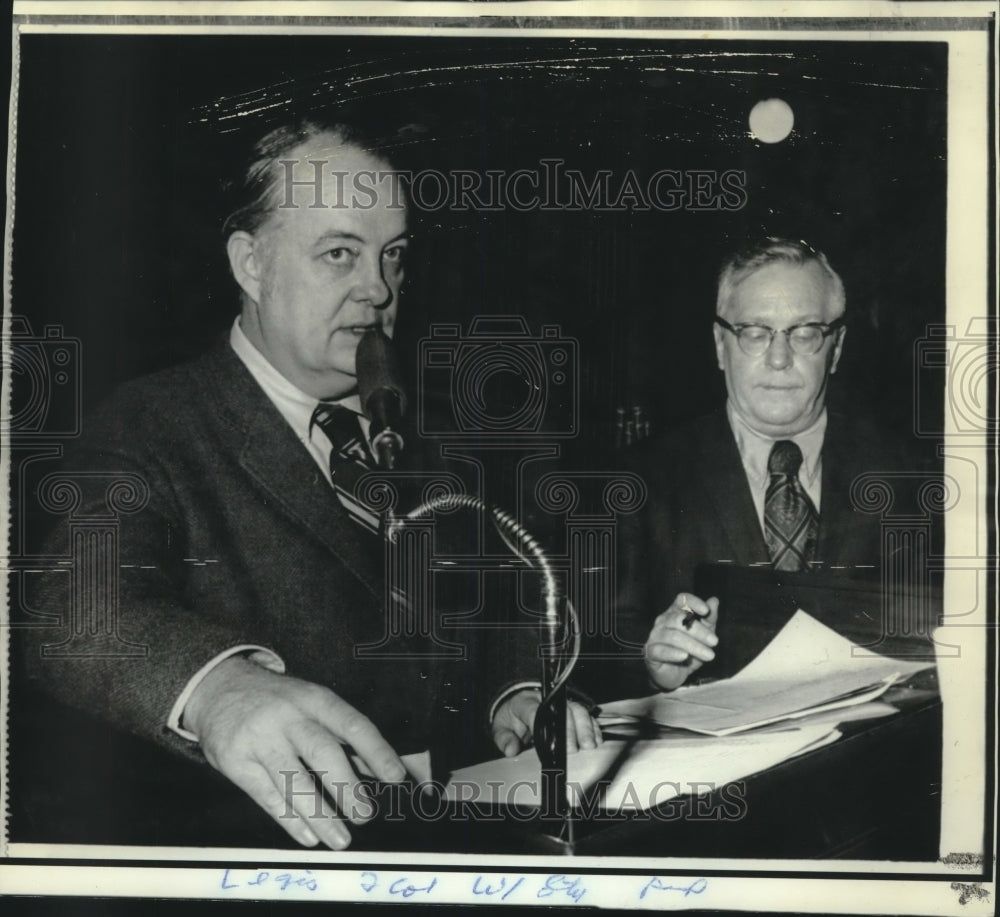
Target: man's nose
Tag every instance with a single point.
(371, 286)
(779, 354)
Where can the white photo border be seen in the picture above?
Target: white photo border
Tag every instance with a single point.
(956, 884)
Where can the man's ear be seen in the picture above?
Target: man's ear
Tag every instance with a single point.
(244, 254)
(718, 333)
(837, 348)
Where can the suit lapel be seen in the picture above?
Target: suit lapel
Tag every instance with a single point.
(835, 512)
(271, 454)
(724, 479)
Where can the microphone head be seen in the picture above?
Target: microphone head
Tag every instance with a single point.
(378, 369)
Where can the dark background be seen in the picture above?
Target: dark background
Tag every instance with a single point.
(122, 142)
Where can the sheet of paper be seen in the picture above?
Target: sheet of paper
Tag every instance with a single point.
(626, 726)
(836, 717)
(643, 773)
(807, 667)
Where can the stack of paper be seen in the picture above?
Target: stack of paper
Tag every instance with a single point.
(807, 668)
(792, 696)
(625, 776)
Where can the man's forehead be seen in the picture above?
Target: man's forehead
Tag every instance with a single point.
(324, 171)
(376, 225)
(800, 291)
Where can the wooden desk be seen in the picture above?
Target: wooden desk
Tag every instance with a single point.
(873, 794)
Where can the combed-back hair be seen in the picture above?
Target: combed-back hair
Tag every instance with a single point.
(737, 267)
(253, 195)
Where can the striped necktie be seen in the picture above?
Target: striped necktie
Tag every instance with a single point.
(791, 522)
(349, 459)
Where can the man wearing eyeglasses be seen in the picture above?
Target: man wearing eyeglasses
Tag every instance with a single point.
(767, 479)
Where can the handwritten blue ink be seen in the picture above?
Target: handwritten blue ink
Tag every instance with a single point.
(559, 883)
(481, 887)
(503, 897)
(654, 884)
(406, 890)
(486, 889)
(284, 880)
(371, 879)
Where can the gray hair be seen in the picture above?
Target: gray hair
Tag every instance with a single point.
(737, 267)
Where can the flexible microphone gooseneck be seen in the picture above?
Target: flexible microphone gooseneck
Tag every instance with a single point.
(383, 398)
(550, 718)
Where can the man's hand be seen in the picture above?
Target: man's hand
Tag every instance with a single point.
(674, 651)
(515, 720)
(253, 725)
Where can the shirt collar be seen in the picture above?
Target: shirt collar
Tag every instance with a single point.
(295, 405)
(755, 447)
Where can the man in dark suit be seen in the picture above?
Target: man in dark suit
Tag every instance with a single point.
(764, 481)
(245, 575)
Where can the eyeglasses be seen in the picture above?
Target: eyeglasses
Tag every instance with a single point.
(805, 339)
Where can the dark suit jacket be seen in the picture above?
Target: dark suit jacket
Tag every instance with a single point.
(699, 510)
(244, 541)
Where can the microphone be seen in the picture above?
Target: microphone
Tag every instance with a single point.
(382, 396)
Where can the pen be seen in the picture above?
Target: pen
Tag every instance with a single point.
(691, 615)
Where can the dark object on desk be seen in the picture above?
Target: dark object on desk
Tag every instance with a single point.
(756, 602)
(873, 794)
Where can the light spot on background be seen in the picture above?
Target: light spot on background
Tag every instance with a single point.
(771, 120)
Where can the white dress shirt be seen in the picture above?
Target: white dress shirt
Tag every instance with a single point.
(755, 449)
(294, 404)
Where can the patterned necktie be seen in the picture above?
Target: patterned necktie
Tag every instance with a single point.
(349, 458)
(790, 519)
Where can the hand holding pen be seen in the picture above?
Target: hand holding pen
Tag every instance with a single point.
(682, 640)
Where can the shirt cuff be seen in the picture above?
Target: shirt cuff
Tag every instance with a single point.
(508, 693)
(571, 693)
(259, 654)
